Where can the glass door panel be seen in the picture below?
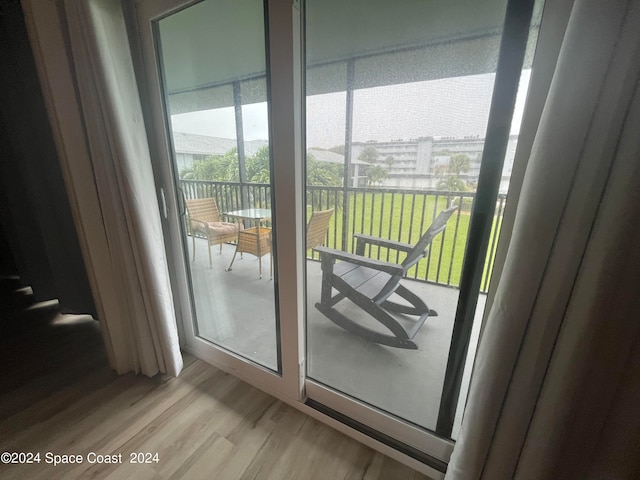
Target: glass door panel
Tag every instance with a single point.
(403, 117)
(212, 60)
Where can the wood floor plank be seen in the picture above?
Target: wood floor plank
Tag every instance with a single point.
(212, 460)
(143, 418)
(271, 453)
(126, 471)
(205, 424)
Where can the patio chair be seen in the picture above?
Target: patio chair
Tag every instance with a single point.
(317, 228)
(205, 220)
(256, 241)
(369, 283)
(316, 231)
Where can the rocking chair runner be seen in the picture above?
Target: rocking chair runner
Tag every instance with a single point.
(369, 283)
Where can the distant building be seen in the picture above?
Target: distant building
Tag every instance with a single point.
(358, 177)
(413, 163)
(190, 147)
(409, 163)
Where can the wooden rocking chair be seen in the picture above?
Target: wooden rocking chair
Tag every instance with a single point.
(369, 283)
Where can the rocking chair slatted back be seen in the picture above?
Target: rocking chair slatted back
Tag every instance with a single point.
(420, 249)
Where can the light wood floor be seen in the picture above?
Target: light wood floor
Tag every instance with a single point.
(58, 395)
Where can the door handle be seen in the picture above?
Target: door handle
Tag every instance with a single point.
(182, 202)
(163, 199)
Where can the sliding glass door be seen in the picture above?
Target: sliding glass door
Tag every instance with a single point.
(405, 107)
(211, 123)
(402, 114)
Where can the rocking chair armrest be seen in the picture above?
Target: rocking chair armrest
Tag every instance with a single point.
(383, 242)
(388, 267)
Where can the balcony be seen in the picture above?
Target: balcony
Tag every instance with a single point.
(396, 214)
(346, 362)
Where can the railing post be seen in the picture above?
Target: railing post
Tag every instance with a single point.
(242, 168)
(227, 196)
(348, 132)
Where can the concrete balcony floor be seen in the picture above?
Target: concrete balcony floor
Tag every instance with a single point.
(236, 310)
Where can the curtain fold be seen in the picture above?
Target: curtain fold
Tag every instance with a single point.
(144, 339)
(560, 329)
(595, 344)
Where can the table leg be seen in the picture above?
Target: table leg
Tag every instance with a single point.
(259, 249)
(228, 269)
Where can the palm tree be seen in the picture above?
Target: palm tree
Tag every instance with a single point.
(376, 174)
(369, 155)
(389, 160)
(449, 175)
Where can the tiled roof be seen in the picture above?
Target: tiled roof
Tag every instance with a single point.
(206, 145)
(332, 157)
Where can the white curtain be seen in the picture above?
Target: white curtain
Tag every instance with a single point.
(556, 385)
(143, 338)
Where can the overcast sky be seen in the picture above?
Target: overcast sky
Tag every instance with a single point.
(446, 107)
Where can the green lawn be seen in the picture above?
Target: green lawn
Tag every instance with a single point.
(404, 218)
(398, 216)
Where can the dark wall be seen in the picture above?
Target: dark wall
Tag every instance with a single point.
(7, 262)
(34, 208)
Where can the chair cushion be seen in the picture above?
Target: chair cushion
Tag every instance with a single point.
(223, 228)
